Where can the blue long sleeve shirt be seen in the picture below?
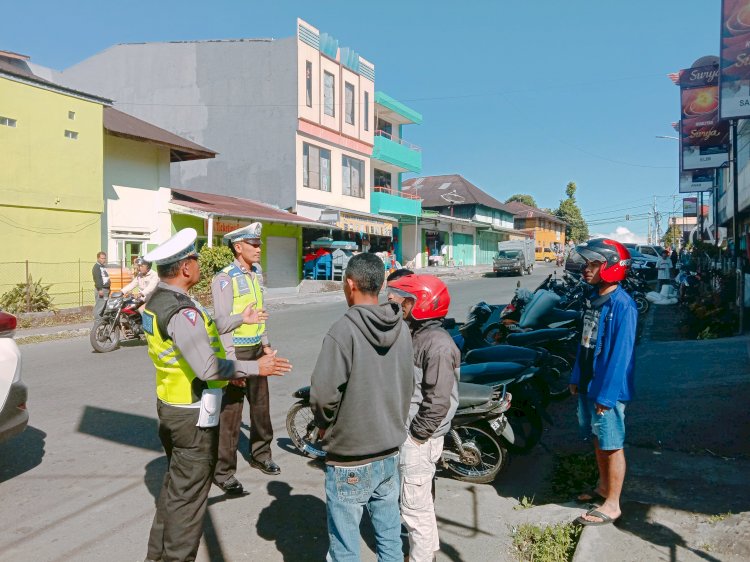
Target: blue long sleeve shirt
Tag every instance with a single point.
(614, 354)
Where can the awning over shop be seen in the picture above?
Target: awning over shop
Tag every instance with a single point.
(210, 205)
(364, 223)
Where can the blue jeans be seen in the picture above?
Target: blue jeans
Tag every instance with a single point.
(348, 490)
(608, 428)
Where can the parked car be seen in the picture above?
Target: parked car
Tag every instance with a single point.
(545, 254)
(650, 250)
(13, 414)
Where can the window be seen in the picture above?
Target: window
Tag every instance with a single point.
(71, 134)
(349, 100)
(308, 84)
(316, 167)
(382, 179)
(329, 94)
(384, 126)
(353, 171)
(71, 115)
(367, 111)
(8, 122)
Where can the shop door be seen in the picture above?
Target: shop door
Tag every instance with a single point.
(281, 262)
(463, 249)
(487, 247)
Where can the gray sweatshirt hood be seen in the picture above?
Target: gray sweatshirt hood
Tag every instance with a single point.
(380, 324)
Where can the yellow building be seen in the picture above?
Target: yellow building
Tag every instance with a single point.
(51, 199)
(547, 229)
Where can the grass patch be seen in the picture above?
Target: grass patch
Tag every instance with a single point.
(572, 474)
(524, 503)
(718, 517)
(555, 543)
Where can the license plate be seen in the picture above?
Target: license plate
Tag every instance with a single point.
(497, 424)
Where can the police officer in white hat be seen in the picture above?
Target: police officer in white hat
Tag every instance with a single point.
(235, 289)
(191, 372)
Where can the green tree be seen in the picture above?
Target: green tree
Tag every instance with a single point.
(577, 230)
(522, 198)
(673, 236)
(211, 260)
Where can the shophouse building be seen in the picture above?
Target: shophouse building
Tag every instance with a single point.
(293, 121)
(547, 229)
(460, 222)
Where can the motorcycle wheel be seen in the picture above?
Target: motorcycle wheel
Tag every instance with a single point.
(487, 453)
(99, 339)
(642, 303)
(526, 424)
(300, 425)
(557, 375)
(494, 333)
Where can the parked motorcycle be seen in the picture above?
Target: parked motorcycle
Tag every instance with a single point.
(474, 449)
(120, 320)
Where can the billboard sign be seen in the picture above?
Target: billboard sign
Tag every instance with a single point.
(690, 207)
(697, 180)
(704, 138)
(735, 59)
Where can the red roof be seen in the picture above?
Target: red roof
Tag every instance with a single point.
(522, 210)
(123, 125)
(237, 207)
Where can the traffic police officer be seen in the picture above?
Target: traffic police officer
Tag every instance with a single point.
(191, 370)
(236, 288)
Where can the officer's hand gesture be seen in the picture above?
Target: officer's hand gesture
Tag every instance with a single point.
(270, 365)
(254, 316)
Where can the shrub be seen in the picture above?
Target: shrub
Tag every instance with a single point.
(556, 543)
(38, 300)
(211, 260)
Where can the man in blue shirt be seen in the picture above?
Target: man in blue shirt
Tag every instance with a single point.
(602, 376)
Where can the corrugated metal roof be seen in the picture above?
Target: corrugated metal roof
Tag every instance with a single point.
(237, 207)
(121, 124)
(431, 189)
(522, 210)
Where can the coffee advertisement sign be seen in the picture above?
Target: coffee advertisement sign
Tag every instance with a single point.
(704, 138)
(735, 59)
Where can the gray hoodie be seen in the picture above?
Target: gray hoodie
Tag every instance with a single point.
(362, 384)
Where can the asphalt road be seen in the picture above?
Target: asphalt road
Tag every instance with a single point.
(80, 482)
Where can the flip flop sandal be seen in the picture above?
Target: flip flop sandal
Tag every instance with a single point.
(593, 496)
(605, 519)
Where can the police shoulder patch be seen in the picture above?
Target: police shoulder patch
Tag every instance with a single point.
(191, 314)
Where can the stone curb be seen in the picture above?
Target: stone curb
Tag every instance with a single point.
(60, 335)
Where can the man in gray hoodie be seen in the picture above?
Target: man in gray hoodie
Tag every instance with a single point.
(361, 387)
(425, 301)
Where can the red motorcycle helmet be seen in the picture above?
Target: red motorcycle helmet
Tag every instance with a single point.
(431, 296)
(614, 257)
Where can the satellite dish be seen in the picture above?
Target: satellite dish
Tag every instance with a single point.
(452, 197)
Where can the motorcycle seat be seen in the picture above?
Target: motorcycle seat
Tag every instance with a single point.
(303, 393)
(537, 336)
(497, 353)
(473, 395)
(491, 373)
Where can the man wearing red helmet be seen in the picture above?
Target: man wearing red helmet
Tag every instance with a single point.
(424, 300)
(604, 371)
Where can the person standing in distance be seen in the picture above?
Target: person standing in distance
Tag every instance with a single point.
(237, 292)
(603, 374)
(191, 370)
(101, 283)
(360, 391)
(424, 300)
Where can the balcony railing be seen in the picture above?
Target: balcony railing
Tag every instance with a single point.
(402, 142)
(396, 192)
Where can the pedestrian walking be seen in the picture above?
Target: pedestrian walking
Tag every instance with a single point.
(663, 266)
(673, 259)
(424, 300)
(361, 387)
(603, 374)
(191, 371)
(240, 317)
(101, 283)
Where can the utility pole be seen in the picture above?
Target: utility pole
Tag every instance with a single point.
(649, 228)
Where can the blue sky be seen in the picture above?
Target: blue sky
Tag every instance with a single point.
(516, 96)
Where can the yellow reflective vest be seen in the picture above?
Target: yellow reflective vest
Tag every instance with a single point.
(176, 382)
(245, 290)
